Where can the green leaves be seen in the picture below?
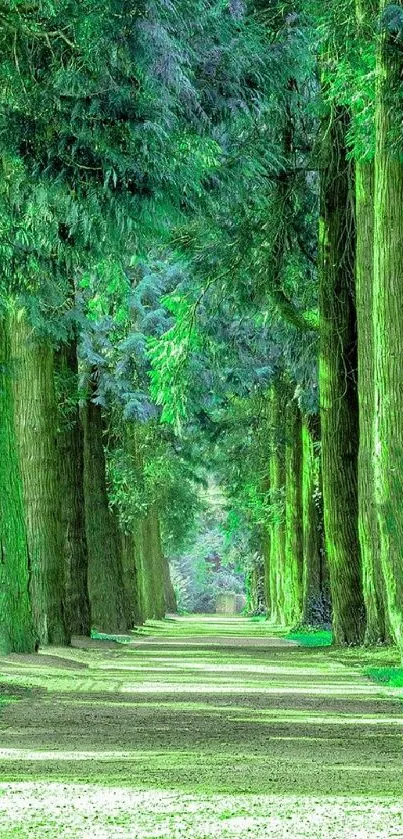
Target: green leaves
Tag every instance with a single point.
(171, 357)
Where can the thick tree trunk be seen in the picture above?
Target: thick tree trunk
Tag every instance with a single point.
(36, 430)
(109, 607)
(16, 626)
(316, 592)
(131, 559)
(373, 582)
(71, 447)
(277, 478)
(388, 323)
(293, 514)
(338, 385)
(152, 567)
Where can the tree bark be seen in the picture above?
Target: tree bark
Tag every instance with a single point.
(152, 567)
(338, 383)
(71, 448)
(36, 431)
(293, 514)
(16, 625)
(277, 478)
(109, 607)
(373, 582)
(131, 558)
(388, 323)
(316, 592)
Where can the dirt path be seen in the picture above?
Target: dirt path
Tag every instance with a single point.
(202, 729)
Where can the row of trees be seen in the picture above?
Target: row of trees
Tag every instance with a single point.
(305, 352)
(217, 190)
(110, 127)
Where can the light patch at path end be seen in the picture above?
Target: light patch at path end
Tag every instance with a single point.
(78, 810)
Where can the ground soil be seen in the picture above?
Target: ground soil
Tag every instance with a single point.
(197, 728)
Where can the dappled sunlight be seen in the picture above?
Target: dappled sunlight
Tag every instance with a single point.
(160, 725)
(103, 812)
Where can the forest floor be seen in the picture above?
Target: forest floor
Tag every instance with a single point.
(198, 728)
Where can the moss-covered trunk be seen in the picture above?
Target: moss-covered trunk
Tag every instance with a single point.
(71, 447)
(36, 431)
(169, 593)
(338, 382)
(293, 514)
(152, 567)
(131, 559)
(16, 626)
(316, 593)
(373, 582)
(277, 479)
(109, 606)
(388, 322)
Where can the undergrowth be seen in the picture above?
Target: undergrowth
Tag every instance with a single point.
(310, 637)
(389, 676)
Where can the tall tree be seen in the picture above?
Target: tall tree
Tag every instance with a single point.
(109, 605)
(316, 594)
(293, 513)
(277, 467)
(387, 310)
(71, 449)
(373, 582)
(338, 380)
(35, 411)
(16, 625)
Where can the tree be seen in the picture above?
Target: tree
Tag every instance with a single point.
(16, 625)
(387, 308)
(71, 459)
(109, 604)
(338, 384)
(35, 416)
(364, 148)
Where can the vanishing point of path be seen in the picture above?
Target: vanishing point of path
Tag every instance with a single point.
(197, 728)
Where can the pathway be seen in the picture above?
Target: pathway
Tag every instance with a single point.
(203, 728)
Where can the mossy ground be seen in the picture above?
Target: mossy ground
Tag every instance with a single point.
(198, 728)
(311, 637)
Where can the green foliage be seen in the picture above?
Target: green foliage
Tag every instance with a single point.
(389, 676)
(309, 637)
(209, 563)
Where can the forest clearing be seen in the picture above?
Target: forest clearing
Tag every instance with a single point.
(205, 727)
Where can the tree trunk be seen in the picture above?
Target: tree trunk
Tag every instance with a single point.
(169, 594)
(16, 626)
(131, 559)
(255, 588)
(316, 593)
(293, 514)
(71, 447)
(338, 385)
(373, 582)
(36, 431)
(153, 573)
(109, 607)
(277, 478)
(388, 323)
(266, 571)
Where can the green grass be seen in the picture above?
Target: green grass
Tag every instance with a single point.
(390, 676)
(311, 637)
(102, 636)
(5, 700)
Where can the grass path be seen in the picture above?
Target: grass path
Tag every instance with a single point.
(197, 728)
